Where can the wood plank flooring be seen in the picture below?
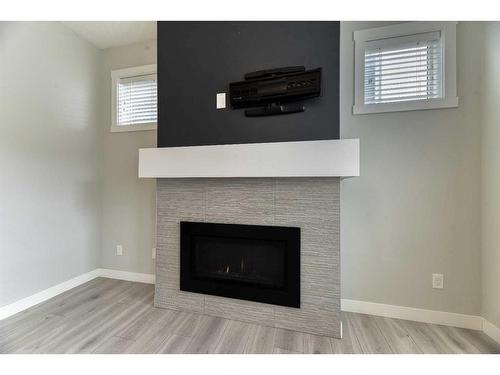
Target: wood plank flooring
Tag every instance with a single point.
(112, 316)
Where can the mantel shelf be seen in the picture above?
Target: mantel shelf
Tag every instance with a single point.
(325, 158)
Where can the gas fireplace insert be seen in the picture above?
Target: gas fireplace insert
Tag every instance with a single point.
(250, 262)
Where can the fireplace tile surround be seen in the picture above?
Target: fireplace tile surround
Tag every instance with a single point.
(309, 203)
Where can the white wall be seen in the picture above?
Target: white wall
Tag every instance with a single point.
(415, 210)
(491, 175)
(50, 146)
(128, 202)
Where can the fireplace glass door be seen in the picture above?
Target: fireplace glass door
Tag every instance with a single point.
(258, 263)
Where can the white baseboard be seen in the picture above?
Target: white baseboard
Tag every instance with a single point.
(44, 295)
(125, 275)
(415, 314)
(491, 330)
(26, 303)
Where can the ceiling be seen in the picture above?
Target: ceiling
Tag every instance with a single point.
(106, 34)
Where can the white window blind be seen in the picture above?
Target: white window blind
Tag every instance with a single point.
(403, 68)
(136, 100)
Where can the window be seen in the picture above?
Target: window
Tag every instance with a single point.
(134, 99)
(405, 67)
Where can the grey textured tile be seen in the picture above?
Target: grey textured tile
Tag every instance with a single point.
(166, 253)
(308, 319)
(171, 275)
(176, 200)
(319, 280)
(312, 204)
(319, 242)
(235, 309)
(180, 199)
(240, 201)
(179, 300)
(310, 201)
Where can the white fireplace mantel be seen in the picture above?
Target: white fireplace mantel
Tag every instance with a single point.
(325, 158)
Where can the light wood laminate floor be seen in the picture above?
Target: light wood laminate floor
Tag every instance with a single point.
(112, 316)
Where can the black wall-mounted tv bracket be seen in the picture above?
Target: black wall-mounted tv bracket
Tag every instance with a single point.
(275, 108)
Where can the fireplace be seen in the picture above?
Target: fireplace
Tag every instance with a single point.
(250, 262)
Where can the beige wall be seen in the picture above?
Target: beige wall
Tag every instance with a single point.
(50, 147)
(491, 175)
(128, 204)
(415, 210)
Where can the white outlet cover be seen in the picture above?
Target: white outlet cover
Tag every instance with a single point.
(119, 250)
(437, 280)
(153, 253)
(221, 100)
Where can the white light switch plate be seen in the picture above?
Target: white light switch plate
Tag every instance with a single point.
(119, 250)
(221, 100)
(153, 253)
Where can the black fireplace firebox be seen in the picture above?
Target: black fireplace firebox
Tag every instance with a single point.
(250, 262)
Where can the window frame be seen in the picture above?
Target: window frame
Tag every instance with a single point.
(449, 75)
(118, 74)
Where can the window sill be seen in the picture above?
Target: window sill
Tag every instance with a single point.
(415, 105)
(133, 128)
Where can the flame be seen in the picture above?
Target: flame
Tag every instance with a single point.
(227, 269)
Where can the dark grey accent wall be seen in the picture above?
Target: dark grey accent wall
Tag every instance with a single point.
(197, 60)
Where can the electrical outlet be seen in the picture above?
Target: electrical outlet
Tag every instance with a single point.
(153, 253)
(437, 280)
(119, 250)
